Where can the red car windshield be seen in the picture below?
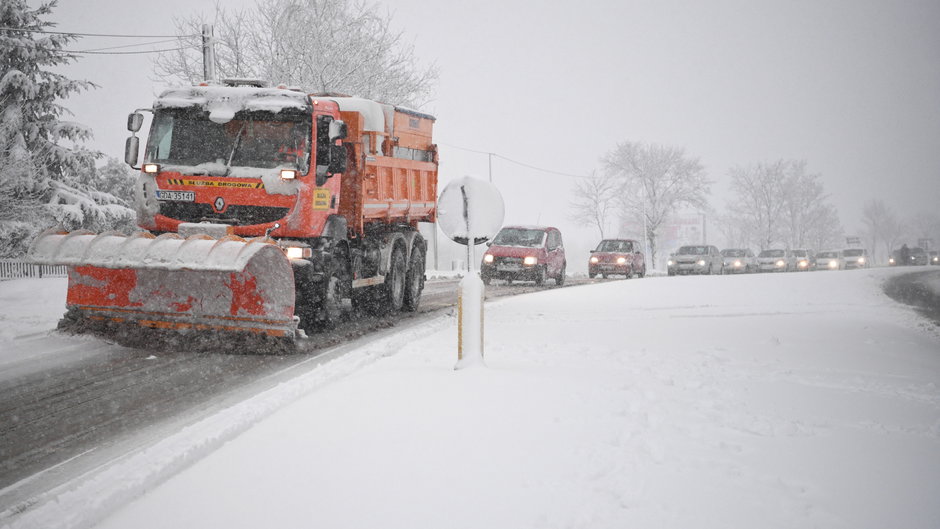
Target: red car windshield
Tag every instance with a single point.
(524, 237)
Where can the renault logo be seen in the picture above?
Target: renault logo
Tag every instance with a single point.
(219, 204)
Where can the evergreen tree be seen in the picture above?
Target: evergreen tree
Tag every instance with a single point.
(41, 160)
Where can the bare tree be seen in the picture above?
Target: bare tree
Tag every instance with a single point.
(595, 199)
(340, 46)
(825, 230)
(656, 181)
(758, 191)
(737, 232)
(881, 226)
(925, 227)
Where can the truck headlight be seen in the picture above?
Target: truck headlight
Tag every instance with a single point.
(151, 168)
(803, 264)
(737, 264)
(670, 262)
(833, 264)
(488, 258)
(781, 263)
(891, 260)
(594, 260)
(530, 260)
(297, 252)
(701, 262)
(621, 260)
(861, 260)
(288, 174)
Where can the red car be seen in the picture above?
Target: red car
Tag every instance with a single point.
(617, 257)
(525, 253)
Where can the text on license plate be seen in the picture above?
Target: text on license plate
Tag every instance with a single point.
(180, 196)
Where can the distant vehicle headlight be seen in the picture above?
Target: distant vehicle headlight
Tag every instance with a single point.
(781, 263)
(936, 259)
(621, 260)
(737, 264)
(594, 260)
(530, 260)
(891, 260)
(488, 258)
(804, 264)
(861, 260)
(701, 262)
(833, 264)
(670, 262)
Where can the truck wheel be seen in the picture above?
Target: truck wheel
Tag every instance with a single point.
(306, 299)
(414, 280)
(392, 293)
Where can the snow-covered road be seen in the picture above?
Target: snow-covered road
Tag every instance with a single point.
(792, 400)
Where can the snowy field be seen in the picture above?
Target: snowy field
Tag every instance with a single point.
(771, 401)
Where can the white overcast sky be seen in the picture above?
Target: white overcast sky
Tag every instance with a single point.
(851, 86)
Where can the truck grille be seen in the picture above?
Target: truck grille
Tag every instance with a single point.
(235, 215)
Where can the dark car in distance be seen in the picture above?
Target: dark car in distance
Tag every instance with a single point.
(617, 257)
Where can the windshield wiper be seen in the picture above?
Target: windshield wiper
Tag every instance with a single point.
(238, 141)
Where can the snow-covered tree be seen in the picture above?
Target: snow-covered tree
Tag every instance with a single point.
(42, 163)
(46, 176)
(655, 181)
(344, 46)
(595, 200)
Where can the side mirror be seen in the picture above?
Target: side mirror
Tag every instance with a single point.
(338, 130)
(132, 150)
(135, 120)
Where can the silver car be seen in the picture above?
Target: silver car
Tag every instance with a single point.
(776, 261)
(738, 261)
(856, 258)
(830, 260)
(699, 259)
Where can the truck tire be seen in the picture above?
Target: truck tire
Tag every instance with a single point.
(392, 292)
(414, 280)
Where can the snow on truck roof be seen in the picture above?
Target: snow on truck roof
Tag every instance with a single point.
(223, 102)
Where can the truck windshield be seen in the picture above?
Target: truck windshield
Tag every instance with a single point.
(187, 138)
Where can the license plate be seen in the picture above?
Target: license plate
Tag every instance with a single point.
(178, 196)
(508, 268)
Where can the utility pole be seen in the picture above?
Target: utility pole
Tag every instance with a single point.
(208, 54)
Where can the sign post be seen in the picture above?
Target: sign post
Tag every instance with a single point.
(470, 211)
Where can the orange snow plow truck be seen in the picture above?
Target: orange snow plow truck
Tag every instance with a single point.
(266, 210)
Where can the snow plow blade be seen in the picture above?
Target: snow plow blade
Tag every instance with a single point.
(197, 293)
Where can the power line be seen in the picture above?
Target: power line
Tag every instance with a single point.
(517, 162)
(128, 46)
(97, 34)
(77, 52)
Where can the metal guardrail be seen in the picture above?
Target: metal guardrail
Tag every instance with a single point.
(16, 269)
